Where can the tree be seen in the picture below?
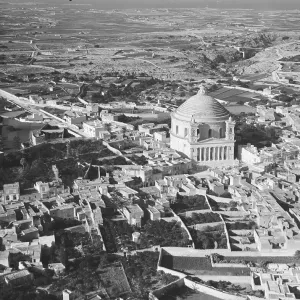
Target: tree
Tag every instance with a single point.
(23, 162)
(17, 142)
(297, 255)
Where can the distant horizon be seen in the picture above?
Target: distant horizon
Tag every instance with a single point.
(140, 4)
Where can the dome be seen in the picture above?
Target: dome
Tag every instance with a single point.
(202, 108)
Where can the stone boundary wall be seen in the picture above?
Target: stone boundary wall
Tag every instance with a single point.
(181, 251)
(26, 125)
(185, 228)
(128, 126)
(226, 233)
(207, 202)
(220, 199)
(201, 226)
(172, 272)
(112, 149)
(237, 214)
(188, 214)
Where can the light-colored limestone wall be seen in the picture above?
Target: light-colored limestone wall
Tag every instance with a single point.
(180, 144)
(180, 251)
(226, 233)
(112, 149)
(172, 272)
(22, 125)
(185, 228)
(203, 226)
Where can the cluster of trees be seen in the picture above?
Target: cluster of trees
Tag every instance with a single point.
(140, 160)
(217, 258)
(82, 276)
(164, 234)
(72, 245)
(197, 218)
(142, 274)
(37, 161)
(38, 170)
(210, 238)
(229, 287)
(29, 293)
(126, 119)
(186, 203)
(107, 232)
(120, 235)
(241, 225)
(217, 206)
(59, 150)
(179, 293)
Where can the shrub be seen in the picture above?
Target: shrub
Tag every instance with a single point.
(186, 203)
(197, 218)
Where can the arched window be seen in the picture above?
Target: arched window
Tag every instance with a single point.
(185, 132)
(221, 132)
(176, 129)
(209, 133)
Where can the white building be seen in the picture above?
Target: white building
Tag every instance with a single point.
(203, 130)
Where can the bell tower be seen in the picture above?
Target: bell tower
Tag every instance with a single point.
(230, 129)
(194, 131)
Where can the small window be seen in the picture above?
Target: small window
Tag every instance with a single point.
(185, 132)
(14, 197)
(7, 197)
(221, 132)
(209, 133)
(176, 129)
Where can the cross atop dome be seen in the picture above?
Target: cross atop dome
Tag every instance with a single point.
(202, 90)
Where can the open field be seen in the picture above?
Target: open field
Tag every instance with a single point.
(166, 43)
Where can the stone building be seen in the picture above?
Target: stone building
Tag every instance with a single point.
(203, 130)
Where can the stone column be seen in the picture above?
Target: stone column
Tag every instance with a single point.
(228, 153)
(207, 153)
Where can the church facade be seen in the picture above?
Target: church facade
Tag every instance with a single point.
(203, 130)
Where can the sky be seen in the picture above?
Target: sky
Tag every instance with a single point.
(223, 4)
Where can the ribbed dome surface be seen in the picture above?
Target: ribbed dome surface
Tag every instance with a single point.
(202, 108)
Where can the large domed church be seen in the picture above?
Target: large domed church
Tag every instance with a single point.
(203, 130)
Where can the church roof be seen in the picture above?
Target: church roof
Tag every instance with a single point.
(202, 108)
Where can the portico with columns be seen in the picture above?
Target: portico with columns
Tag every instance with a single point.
(203, 130)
